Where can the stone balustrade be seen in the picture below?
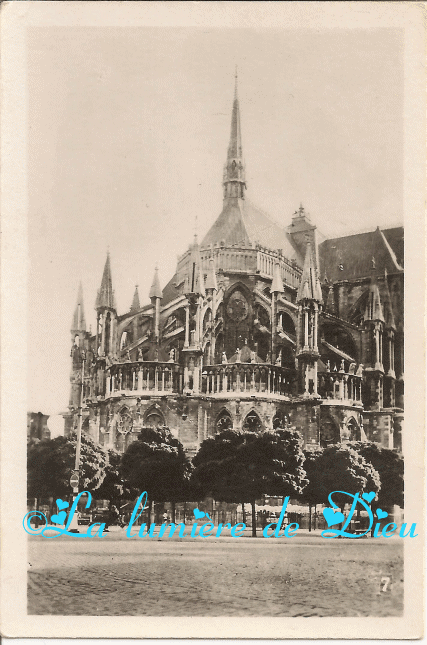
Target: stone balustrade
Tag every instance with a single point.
(252, 378)
(340, 386)
(144, 377)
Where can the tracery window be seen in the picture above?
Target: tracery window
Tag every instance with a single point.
(252, 422)
(224, 422)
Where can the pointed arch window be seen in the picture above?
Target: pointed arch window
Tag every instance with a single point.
(252, 422)
(224, 421)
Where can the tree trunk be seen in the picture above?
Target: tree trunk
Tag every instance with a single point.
(253, 519)
(173, 512)
(309, 518)
(184, 510)
(315, 516)
(150, 506)
(342, 511)
(244, 512)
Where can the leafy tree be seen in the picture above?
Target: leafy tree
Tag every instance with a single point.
(337, 467)
(242, 466)
(312, 495)
(389, 465)
(113, 487)
(156, 463)
(50, 464)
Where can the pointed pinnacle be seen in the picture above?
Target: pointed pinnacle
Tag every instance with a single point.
(105, 294)
(79, 321)
(155, 291)
(135, 302)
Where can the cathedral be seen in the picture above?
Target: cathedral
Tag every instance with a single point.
(262, 326)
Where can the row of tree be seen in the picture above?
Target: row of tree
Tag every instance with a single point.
(236, 467)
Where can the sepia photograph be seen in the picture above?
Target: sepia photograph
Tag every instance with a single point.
(215, 305)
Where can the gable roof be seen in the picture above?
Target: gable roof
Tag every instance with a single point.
(351, 257)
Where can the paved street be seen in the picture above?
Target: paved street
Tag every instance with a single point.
(303, 576)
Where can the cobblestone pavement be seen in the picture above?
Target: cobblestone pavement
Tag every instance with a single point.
(302, 576)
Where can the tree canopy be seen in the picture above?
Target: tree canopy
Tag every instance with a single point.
(389, 465)
(114, 487)
(156, 463)
(337, 467)
(50, 464)
(242, 466)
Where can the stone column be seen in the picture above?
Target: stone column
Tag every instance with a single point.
(187, 326)
(199, 425)
(315, 378)
(205, 425)
(315, 325)
(306, 328)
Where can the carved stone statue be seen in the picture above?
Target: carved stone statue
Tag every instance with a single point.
(342, 366)
(172, 356)
(253, 357)
(128, 356)
(140, 356)
(360, 370)
(238, 355)
(224, 358)
(352, 368)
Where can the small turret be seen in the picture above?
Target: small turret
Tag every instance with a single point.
(106, 309)
(79, 321)
(135, 306)
(105, 298)
(211, 283)
(309, 288)
(277, 284)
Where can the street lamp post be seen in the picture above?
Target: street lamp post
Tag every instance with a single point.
(73, 528)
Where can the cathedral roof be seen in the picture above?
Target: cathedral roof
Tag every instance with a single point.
(241, 222)
(105, 297)
(350, 257)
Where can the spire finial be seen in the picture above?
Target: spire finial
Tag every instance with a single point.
(235, 83)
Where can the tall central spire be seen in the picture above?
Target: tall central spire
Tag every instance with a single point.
(234, 169)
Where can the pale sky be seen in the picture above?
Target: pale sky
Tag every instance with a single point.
(128, 134)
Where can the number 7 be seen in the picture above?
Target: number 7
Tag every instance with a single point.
(385, 581)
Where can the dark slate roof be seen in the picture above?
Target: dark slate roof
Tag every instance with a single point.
(354, 254)
(241, 222)
(395, 237)
(170, 292)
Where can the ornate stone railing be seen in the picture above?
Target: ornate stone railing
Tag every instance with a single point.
(144, 377)
(340, 386)
(252, 378)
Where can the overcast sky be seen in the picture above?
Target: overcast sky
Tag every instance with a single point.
(128, 133)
